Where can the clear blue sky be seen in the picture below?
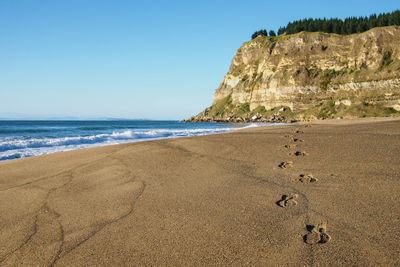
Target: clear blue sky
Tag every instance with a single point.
(134, 59)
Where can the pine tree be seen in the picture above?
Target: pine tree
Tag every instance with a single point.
(349, 25)
(281, 30)
(272, 33)
(260, 32)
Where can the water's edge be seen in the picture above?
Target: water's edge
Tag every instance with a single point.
(19, 139)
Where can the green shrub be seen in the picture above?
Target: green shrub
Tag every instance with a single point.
(387, 59)
(259, 109)
(244, 108)
(222, 106)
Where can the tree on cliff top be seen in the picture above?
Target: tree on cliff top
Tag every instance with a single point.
(260, 32)
(334, 25)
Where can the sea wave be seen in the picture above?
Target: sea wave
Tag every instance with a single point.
(92, 128)
(17, 131)
(18, 147)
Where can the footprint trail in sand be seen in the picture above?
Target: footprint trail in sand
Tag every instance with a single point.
(316, 233)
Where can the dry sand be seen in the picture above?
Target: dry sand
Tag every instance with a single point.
(222, 199)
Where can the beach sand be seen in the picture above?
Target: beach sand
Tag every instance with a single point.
(237, 198)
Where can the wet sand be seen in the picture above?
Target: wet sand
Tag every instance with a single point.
(328, 194)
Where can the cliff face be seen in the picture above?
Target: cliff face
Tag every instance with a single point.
(304, 71)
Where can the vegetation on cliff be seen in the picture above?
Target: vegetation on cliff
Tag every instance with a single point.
(225, 111)
(334, 25)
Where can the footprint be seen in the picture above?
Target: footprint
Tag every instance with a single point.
(298, 131)
(307, 126)
(291, 146)
(317, 234)
(287, 200)
(297, 140)
(299, 153)
(307, 178)
(289, 135)
(286, 164)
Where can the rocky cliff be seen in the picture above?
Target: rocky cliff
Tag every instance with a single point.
(311, 76)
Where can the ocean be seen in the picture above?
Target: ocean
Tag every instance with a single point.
(20, 139)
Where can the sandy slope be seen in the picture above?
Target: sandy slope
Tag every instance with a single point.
(211, 200)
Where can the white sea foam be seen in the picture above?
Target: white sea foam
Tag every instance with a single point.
(18, 147)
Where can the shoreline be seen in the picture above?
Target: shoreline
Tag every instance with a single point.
(246, 197)
(171, 133)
